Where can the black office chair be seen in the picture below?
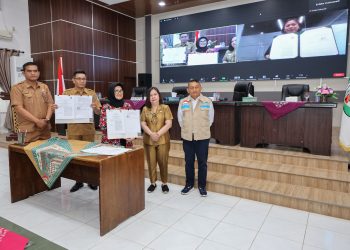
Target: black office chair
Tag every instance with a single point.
(294, 90)
(139, 92)
(180, 91)
(242, 89)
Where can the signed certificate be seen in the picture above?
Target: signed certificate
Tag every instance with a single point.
(123, 123)
(73, 109)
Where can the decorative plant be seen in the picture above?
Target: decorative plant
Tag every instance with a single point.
(324, 92)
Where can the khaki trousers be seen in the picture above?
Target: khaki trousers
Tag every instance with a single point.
(157, 154)
(90, 137)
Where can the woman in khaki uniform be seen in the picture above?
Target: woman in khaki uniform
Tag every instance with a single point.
(156, 120)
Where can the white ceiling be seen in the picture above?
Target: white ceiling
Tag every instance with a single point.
(113, 1)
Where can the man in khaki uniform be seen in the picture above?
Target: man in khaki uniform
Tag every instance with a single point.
(82, 131)
(32, 102)
(190, 46)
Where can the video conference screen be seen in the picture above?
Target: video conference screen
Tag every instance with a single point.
(270, 40)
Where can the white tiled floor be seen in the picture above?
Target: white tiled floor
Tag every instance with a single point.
(172, 221)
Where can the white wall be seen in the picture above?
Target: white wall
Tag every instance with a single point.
(14, 14)
(261, 86)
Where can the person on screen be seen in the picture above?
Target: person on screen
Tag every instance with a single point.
(202, 45)
(32, 102)
(116, 101)
(195, 115)
(230, 54)
(184, 38)
(291, 25)
(156, 120)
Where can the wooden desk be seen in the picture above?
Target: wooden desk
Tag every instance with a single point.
(225, 128)
(120, 179)
(309, 127)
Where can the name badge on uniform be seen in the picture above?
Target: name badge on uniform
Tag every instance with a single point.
(185, 106)
(204, 106)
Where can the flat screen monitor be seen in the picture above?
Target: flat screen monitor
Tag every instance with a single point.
(268, 40)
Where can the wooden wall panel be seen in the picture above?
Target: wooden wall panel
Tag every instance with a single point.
(100, 50)
(76, 11)
(126, 27)
(41, 38)
(67, 36)
(44, 61)
(106, 70)
(127, 71)
(39, 12)
(127, 49)
(105, 44)
(74, 61)
(105, 20)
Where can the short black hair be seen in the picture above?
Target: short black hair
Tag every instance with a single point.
(29, 64)
(79, 71)
(193, 80)
(186, 33)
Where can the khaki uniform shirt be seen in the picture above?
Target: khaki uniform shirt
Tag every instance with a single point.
(190, 47)
(155, 121)
(82, 128)
(230, 56)
(36, 99)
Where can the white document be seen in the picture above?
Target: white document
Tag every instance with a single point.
(202, 58)
(284, 46)
(73, 109)
(174, 55)
(123, 123)
(106, 150)
(318, 42)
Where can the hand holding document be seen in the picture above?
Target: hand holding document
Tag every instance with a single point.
(203, 58)
(285, 46)
(73, 109)
(174, 55)
(123, 123)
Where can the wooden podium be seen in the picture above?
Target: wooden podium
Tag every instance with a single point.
(120, 179)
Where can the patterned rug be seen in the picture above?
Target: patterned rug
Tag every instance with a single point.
(50, 157)
(36, 242)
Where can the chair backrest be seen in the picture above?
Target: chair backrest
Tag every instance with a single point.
(139, 92)
(242, 89)
(180, 91)
(294, 90)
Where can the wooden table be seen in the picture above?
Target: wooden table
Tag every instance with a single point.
(120, 179)
(309, 127)
(225, 128)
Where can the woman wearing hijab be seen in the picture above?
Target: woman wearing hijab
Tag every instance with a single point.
(116, 101)
(202, 45)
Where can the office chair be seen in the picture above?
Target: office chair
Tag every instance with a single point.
(294, 90)
(180, 91)
(242, 89)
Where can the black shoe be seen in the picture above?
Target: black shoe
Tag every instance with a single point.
(93, 187)
(151, 188)
(186, 189)
(202, 191)
(165, 188)
(76, 187)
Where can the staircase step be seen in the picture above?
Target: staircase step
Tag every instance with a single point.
(274, 156)
(286, 173)
(311, 199)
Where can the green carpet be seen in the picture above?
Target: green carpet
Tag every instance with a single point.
(37, 242)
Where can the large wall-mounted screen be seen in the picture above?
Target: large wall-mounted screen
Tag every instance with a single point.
(260, 41)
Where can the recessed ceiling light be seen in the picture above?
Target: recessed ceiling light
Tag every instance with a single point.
(161, 3)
